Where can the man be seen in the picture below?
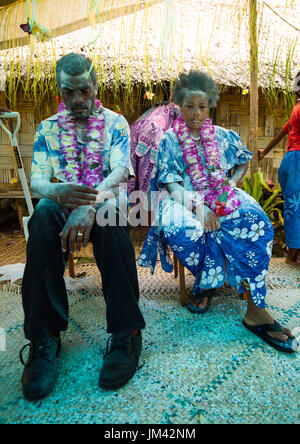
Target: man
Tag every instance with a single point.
(86, 148)
(289, 178)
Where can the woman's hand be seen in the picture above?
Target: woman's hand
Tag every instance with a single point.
(211, 221)
(71, 196)
(77, 229)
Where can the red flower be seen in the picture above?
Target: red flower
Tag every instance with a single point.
(220, 208)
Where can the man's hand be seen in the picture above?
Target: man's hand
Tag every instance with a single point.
(261, 154)
(71, 196)
(4, 110)
(77, 229)
(211, 221)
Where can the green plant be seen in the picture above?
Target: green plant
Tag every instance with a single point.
(270, 200)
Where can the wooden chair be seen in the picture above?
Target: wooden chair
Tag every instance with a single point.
(179, 269)
(71, 265)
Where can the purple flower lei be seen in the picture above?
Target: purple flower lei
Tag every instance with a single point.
(88, 173)
(219, 196)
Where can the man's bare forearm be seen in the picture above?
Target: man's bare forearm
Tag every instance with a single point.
(42, 188)
(274, 142)
(118, 176)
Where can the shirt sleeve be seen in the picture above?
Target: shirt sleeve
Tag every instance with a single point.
(235, 152)
(169, 165)
(41, 167)
(120, 145)
(295, 118)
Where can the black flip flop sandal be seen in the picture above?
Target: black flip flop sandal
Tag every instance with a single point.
(288, 346)
(200, 310)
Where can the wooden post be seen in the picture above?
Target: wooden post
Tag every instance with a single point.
(183, 298)
(71, 266)
(253, 130)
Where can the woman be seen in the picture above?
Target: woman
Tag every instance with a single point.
(145, 134)
(214, 228)
(289, 178)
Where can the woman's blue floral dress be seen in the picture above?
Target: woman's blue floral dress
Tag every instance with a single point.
(241, 249)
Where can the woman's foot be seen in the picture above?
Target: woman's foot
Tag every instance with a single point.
(200, 304)
(260, 316)
(289, 262)
(256, 316)
(292, 257)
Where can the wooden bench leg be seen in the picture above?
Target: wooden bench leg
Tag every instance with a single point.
(21, 207)
(179, 267)
(175, 266)
(71, 266)
(244, 296)
(183, 298)
(149, 218)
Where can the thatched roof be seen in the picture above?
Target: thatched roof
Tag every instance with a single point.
(156, 43)
(6, 2)
(60, 17)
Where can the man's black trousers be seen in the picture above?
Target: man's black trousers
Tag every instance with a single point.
(44, 294)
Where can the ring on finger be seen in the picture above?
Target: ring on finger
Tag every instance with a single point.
(79, 233)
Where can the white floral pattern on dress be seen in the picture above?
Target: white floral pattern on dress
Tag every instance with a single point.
(193, 259)
(213, 277)
(257, 231)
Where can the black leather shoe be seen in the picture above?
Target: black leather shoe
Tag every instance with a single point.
(40, 373)
(120, 361)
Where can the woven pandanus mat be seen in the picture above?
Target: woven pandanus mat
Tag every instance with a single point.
(196, 369)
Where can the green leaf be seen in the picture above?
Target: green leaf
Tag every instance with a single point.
(271, 198)
(247, 185)
(223, 197)
(280, 216)
(264, 183)
(257, 188)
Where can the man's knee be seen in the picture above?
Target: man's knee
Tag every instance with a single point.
(47, 207)
(47, 216)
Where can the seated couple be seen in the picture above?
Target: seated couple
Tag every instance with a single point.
(87, 148)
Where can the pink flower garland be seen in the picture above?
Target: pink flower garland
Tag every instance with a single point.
(219, 196)
(88, 173)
